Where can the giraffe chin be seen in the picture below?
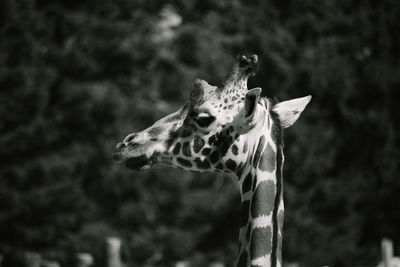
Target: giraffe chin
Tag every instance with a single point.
(138, 163)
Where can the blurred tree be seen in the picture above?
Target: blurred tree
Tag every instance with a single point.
(76, 76)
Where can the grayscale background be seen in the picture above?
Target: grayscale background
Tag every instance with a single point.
(77, 76)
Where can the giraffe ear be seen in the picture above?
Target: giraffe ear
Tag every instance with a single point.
(289, 111)
(251, 100)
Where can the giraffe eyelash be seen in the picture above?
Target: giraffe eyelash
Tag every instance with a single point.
(203, 115)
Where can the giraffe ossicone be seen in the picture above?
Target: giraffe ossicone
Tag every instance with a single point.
(228, 128)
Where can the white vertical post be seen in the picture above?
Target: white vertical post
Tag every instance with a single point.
(33, 259)
(49, 263)
(216, 264)
(182, 264)
(84, 260)
(113, 252)
(387, 252)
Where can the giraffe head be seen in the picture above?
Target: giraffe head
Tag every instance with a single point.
(212, 131)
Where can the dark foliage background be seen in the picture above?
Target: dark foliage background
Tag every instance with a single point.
(77, 76)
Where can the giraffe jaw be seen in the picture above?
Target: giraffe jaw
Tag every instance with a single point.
(141, 162)
(138, 163)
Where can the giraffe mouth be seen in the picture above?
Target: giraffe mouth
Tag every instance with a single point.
(137, 163)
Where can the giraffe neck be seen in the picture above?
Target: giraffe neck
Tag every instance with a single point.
(260, 237)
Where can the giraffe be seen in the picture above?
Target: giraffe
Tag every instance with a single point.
(228, 129)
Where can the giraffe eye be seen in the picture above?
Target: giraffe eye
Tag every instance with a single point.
(204, 119)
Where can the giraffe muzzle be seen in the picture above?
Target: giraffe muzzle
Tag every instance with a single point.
(132, 158)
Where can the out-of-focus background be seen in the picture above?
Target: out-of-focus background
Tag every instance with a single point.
(77, 76)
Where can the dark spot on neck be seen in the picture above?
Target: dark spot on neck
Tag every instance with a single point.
(239, 171)
(186, 149)
(224, 149)
(206, 151)
(226, 133)
(231, 165)
(246, 186)
(202, 164)
(262, 202)
(198, 144)
(219, 166)
(268, 159)
(214, 157)
(172, 137)
(185, 132)
(177, 148)
(214, 140)
(184, 162)
(234, 150)
(261, 242)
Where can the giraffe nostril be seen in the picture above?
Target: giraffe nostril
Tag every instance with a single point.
(129, 138)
